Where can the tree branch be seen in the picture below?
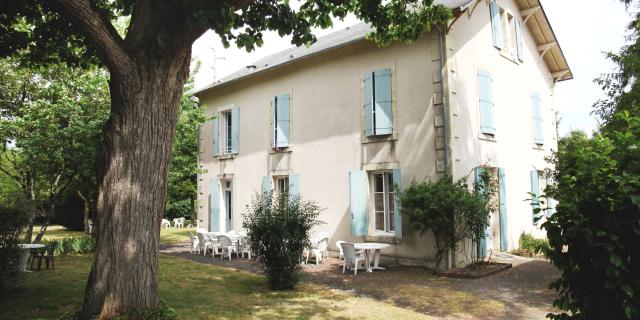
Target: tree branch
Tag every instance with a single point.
(99, 30)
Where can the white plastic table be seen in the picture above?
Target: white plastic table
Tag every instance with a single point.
(26, 247)
(367, 247)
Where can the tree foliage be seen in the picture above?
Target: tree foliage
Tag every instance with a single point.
(278, 228)
(50, 121)
(451, 210)
(594, 233)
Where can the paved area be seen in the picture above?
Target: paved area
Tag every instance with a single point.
(517, 293)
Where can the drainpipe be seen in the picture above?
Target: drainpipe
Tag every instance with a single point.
(445, 106)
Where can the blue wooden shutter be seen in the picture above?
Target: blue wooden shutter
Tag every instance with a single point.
(382, 96)
(482, 246)
(281, 114)
(485, 94)
(495, 24)
(551, 203)
(519, 40)
(504, 236)
(235, 129)
(358, 202)
(215, 205)
(538, 132)
(368, 104)
(397, 210)
(535, 187)
(294, 185)
(216, 134)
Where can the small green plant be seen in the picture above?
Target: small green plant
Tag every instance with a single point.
(449, 209)
(533, 245)
(278, 231)
(74, 245)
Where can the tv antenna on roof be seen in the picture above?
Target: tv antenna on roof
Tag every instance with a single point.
(215, 58)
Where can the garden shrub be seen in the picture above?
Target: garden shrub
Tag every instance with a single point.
(533, 245)
(74, 245)
(12, 223)
(593, 236)
(451, 210)
(278, 231)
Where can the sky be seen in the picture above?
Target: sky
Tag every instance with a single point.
(585, 31)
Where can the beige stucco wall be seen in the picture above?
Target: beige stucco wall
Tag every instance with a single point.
(470, 44)
(326, 132)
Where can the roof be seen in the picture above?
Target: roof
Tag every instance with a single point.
(537, 22)
(541, 30)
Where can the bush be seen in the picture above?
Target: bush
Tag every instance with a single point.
(448, 209)
(533, 245)
(178, 209)
(278, 232)
(12, 223)
(74, 245)
(593, 236)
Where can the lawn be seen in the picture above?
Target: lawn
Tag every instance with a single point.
(169, 235)
(197, 291)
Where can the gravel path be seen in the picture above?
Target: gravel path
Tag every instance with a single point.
(517, 293)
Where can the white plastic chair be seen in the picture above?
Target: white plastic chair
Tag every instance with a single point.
(165, 223)
(214, 245)
(204, 243)
(341, 255)
(350, 256)
(226, 246)
(178, 223)
(243, 247)
(195, 248)
(319, 250)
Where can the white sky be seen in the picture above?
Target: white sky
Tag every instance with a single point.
(585, 30)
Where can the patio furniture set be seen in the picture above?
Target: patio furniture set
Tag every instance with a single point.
(351, 254)
(223, 244)
(37, 251)
(177, 223)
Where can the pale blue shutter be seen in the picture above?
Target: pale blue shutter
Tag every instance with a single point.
(535, 187)
(266, 189)
(282, 121)
(482, 246)
(397, 210)
(538, 132)
(216, 134)
(504, 236)
(358, 202)
(485, 94)
(382, 96)
(495, 24)
(235, 130)
(551, 203)
(368, 104)
(294, 185)
(215, 205)
(519, 40)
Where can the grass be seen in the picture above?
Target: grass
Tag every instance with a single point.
(197, 291)
(170, 235)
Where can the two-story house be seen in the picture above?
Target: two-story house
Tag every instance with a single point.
(344, 121)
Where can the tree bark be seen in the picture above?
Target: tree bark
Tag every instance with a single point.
(85, 211)
(133, 182)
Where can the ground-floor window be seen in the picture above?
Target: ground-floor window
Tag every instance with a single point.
(383, 201)
(282, 185)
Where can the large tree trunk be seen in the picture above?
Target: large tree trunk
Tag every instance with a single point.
(132, 185)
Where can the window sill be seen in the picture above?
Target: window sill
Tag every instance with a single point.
(390, 238)
(538, 146)
(507, 55)
(376, 139)
(288, 149)
(225, 156)
(487, 137)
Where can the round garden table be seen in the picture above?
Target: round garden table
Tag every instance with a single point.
(367, 247)
(26, 248)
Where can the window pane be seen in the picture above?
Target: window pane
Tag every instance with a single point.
(378, 181)
(390, 182)
(380, 220)
(391, 204)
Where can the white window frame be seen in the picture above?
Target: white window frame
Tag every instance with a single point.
(226, 132)
(387, 214)
(508, 29)
(281, 184)
(227, 197)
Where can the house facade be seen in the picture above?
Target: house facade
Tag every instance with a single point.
(344, 122)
